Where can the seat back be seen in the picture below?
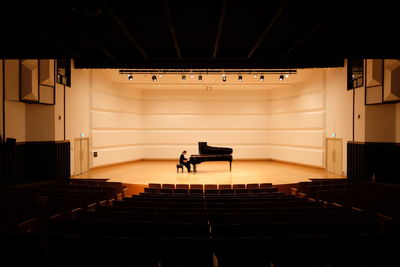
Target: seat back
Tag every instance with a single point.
(253, 186)
(155, 185)
(168, 186)
(210, 186)
(182, 186)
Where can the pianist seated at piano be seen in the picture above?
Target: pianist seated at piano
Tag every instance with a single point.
(184, 161)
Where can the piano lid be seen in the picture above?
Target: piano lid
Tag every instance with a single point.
(205, 149)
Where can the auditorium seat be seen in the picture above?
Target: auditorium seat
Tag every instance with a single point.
(265, 185)
(244, 251)
(182, 186)
(303, 250)
(73, 250)
(167, 189)
(182, 189)
(225, 186)
(252, 186)
(183, 252)
(358, 250)
(196, 189)
(239, 186)
(127, 251)
(21, 249)
(211, 189)
(224, 191)
(168, 186)
(153, 185)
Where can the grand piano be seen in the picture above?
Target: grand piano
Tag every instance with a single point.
(210, 153)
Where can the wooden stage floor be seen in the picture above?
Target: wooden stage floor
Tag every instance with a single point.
(243, 172)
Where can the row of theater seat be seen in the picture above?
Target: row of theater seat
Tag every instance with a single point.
(23, 207)
(373, 197)
(312, 250)
(238, 229)
(169, 229)
(209, 188)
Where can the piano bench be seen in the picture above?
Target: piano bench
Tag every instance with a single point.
(179, 166)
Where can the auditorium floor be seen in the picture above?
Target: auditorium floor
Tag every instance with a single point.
(164, 171)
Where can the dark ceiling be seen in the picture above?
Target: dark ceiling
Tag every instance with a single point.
(201, 34)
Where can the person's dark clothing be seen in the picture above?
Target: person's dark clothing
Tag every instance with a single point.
(182, 161)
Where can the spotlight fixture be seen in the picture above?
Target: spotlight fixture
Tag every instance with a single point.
(183, 78)
(281, 77)
(191, 75)
(261, 78)
(154, 78)
(240, 78)
(255, 75)
(287, 76)
(130, 77)
(160, 75)
(224, 77)
(200, 78)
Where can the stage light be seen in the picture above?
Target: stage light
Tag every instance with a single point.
(200, 78)
(224, 77)
(160, 75)
(183, 78)
(287, 75)
(130, 77)
(261, 78)
(255, 75)
(191, 75)
(154, 78)
(240, 78)
(281, 77)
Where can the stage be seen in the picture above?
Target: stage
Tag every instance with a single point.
(243, 172)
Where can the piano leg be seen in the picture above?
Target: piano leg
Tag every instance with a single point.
(230, 166)
(194, 168)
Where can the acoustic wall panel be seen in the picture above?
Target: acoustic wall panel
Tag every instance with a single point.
(392, 80)
(114, 155)
(46, 75)
(114, 120)
(221, 122)
(313, 157)
(374, 72)
(29, 86)
(201, 106)
(115, 103)
(313, 100)
(223, 137)
(306, 120)
(310, 139)
(110, 138)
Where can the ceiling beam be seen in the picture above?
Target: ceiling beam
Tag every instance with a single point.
(219, 31)
(308, 34)
(193, 63)
(35, 31)
(123, 28)
(66, 20)
(171, 27)
(334, 45)
(267, 29)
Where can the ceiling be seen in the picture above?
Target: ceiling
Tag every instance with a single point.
(201, 34)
